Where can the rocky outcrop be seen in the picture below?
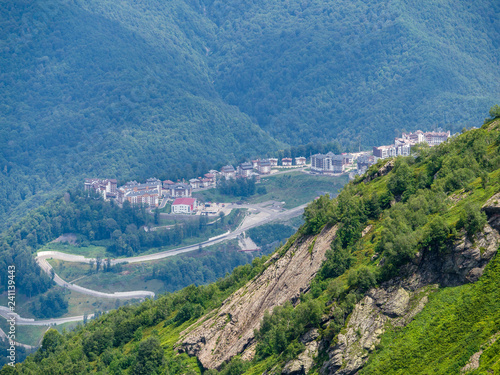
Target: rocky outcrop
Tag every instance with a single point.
(305, 360)
(392, 305)
(385, 169)
(230, 330)
(397, 301)
(492, 210)
(474, 360)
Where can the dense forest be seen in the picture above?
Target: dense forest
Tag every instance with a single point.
(421, 206)
(171, 89)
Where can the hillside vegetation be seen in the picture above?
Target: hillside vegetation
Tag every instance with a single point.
(171, 89)
(400, 213)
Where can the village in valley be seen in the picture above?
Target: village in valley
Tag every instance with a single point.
(154, 193)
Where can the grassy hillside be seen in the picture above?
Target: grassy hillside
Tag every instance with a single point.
(456, 323)
(422, 206)
(169, 89)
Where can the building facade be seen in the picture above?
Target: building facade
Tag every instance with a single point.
(107, 188)
(245, 170)
(264, 166)
(178, 190)
(228, 172)
(327, 164)
(300, 160)
(184, 205)
(273, 161)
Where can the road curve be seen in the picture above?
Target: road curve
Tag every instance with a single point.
(20, 321)
(42, 256)
(42, 262)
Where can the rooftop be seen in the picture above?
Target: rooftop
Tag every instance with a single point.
(187, 201)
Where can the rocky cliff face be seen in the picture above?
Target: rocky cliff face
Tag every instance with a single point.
(397, 301)
(230, 330)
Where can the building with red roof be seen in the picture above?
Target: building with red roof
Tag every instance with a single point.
(184, 205)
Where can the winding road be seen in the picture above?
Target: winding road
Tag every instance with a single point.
(20, 321)
(261, 215)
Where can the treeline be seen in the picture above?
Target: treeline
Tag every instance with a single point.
(99, 222)
(301, 88)
(414, 202)
(49, 306)
(200, 267)
(125, 89)
(408, 210)
(237, 187)
(21, 352)
(270, 234)
(312, 148)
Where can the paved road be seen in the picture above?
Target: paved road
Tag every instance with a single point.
(20, 321)
(266, 215)
(42, 262)
(4, 336)
(263, 214)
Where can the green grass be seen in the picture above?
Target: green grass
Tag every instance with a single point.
(454, 325)
(32, 335)
(212, 195)
(29, 335)
(81, 304)
(131, 278)
(90, 251)
(294, 188)
(166, 209)
(78, 304)
(236, 216)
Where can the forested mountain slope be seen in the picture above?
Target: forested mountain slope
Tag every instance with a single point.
(142, 88)
(347, 69)
(112, 90)
(397, 275)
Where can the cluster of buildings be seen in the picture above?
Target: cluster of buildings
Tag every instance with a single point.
(153, 190)
(108, 187)
(258, 167)
(402, 146)
(336, 164)
(148, 193)
(330, 163)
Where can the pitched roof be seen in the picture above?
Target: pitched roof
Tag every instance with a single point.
(187, 201)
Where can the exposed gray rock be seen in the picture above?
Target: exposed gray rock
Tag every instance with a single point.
(397, 301)
(304, 361)
(229, 331)
(367, 323)
(492, 210)
(309, 336)
(385, 169)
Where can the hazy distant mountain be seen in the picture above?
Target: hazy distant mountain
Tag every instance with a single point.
(342, 69)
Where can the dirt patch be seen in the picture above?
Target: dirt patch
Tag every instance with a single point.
(68, 238)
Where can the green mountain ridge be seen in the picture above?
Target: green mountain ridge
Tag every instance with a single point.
(408, 284)
(147, 88)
